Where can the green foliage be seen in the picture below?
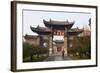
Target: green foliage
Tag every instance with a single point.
(35, 58)
(26, 50)
(82, 46)
(31, 50)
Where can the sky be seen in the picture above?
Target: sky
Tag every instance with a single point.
(35, 18)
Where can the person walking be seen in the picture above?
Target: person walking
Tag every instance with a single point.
(63, 53)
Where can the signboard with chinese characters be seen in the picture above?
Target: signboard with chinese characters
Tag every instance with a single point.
(59, 33)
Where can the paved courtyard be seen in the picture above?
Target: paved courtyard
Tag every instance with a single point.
(56, 58)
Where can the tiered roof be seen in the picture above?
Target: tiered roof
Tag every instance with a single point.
(75, 31)
(58, 24)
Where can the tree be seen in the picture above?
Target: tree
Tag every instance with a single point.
(84, 47)
(32, 50)
(81, 47)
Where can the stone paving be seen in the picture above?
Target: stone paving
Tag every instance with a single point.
(56, 58)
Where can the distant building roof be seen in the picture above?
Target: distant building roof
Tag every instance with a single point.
(59, 41)
(28, 37)
(86, 32)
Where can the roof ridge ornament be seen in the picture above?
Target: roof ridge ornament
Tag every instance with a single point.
(38, 26)
(67, 21)
(50, 20)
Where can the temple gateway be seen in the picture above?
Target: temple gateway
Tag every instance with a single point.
(59, 28)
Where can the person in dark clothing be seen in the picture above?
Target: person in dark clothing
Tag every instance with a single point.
(63, 53)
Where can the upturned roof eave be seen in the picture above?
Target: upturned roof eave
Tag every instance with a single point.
(38, 31)
(74, 32)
